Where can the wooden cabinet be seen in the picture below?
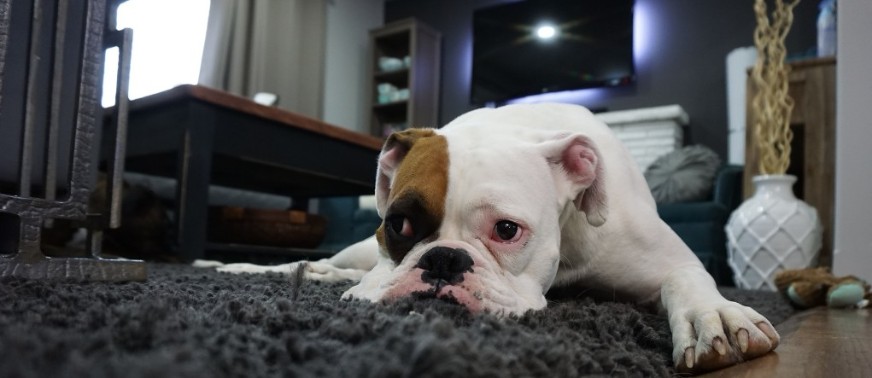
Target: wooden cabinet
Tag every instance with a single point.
(813, 150)
(404, 85)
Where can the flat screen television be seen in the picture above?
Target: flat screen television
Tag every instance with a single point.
(538, 46)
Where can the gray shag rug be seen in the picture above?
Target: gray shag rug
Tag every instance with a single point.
(190, 322)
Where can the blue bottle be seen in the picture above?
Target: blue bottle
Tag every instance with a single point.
(826, 29)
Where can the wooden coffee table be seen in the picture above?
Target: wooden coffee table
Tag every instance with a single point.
(201, 136)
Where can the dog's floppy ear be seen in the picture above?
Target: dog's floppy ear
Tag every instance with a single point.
(393, 152)
(578, 170)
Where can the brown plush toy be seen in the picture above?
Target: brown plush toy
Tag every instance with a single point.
(817, 287)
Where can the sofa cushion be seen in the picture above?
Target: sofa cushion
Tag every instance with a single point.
(701, 226)
(684, 175)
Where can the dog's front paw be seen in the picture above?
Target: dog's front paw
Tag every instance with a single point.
(312, 270)
(327, 272)
(206, 264)
(719, 334)
(238, 268)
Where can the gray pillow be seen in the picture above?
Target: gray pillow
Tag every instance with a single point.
(684, 175)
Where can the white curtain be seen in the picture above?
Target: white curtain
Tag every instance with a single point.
(274, 46)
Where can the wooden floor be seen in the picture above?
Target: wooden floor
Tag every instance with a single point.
(817, 343)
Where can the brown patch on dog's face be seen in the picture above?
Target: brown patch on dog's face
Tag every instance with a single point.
(417, 197)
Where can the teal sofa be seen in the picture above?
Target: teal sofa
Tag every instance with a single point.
(347, 222)
(701, 224)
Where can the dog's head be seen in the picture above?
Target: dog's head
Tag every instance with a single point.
(474, 213)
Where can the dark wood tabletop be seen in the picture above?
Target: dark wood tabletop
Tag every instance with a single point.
(203, 137)
(247, 106)
(250, 146)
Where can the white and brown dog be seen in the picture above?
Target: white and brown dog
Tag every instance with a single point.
(500, 205)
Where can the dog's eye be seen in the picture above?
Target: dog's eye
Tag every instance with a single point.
(400, 225)
(506, 231)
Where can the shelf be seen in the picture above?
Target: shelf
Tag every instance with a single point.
(393, 112)
(812, 86)
(389, 75)
(399, 78)
(394, 43)
(390, 106)
(421, 44)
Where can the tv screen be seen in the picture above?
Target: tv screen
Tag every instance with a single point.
(539, 46)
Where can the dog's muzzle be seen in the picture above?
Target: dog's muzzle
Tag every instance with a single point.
(443, 265)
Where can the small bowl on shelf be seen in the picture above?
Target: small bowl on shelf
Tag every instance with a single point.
(388, 64)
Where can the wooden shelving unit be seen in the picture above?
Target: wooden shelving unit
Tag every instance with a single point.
(812, 85)
(417, 47)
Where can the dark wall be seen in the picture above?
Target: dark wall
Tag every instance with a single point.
(684, 61)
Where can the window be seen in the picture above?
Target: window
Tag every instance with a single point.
(168, 37)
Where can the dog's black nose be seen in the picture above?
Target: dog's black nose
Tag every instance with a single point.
(444, 264)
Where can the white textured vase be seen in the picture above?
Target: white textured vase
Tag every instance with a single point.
(770, 232)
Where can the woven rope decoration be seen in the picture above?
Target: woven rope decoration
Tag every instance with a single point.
(772, 104)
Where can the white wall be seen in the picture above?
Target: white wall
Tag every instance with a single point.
(347, 58)
(853, 228)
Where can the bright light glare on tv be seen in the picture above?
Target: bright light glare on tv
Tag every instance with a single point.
(546, 32)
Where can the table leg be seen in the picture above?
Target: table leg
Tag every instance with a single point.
(300, 203)
(193, 175)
